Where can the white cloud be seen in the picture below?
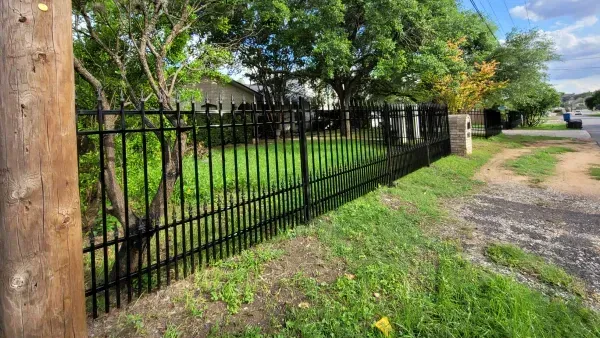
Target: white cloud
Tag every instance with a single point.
(590, 83)
(547, 9)
(571, 45)
(578, 71)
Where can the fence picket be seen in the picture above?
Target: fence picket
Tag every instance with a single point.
(240, 199)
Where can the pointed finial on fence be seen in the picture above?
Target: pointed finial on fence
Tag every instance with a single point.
(221, 97)
(232, 100)
(99, 92)
(244, 99)
(193, 98)
(177, 97)
(281, 100)
(121, 97)
(254, 99)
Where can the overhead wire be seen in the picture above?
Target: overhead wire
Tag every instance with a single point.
(527, 13)
(484, 20)
(496, 16)
(510, 15)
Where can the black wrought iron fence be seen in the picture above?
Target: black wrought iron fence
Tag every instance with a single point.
(182, 188)
(486, 122)
(512, 119)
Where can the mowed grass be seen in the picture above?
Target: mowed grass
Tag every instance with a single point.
(595, 172)
(514, 257)
(422, 284)
(538, 164)
(547, 126)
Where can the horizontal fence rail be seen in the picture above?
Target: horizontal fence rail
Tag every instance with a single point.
(182, 187)
(486, 123)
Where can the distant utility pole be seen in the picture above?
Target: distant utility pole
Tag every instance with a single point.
(41, 261)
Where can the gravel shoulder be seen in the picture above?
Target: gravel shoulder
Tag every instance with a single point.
(558, 219)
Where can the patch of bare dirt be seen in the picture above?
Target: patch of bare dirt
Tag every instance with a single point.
(494, 171)
(396, 203)
(152, 314)
(572, 172)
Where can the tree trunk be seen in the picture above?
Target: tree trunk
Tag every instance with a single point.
(41, 260)
(343, 93)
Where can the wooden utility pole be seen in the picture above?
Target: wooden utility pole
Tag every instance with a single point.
(41, 262)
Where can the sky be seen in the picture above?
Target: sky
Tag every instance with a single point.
(573, 25)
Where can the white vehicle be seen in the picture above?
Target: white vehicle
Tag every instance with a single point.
(578, 112)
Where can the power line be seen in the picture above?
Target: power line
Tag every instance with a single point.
(496, 16)
(508, 10)
(527, 12)
(483, 19)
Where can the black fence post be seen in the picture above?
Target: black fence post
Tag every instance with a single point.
(304, 161)
(447, 128)
(485, 123)
(427, 111)
(388, 141)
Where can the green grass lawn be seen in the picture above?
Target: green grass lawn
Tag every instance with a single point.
(514, 257)
(538, 164)
(595, 172)
(547, 126)
(595, 115)
(265, 166)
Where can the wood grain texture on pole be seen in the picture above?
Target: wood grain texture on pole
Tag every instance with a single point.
(41, 262)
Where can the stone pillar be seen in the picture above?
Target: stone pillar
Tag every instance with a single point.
(461, 142)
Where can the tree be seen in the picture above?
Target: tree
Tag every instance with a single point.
(267, 54)
(136, 48)
(429, 62)
(523, 63)
(593, 101)
(533, 102)
(468, 88)
(342, 43)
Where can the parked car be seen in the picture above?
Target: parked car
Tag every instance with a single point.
(578, 112)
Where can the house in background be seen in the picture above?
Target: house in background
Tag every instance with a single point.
(211, 89)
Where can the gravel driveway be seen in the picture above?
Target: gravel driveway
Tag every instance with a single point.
(558, 219)
(562, 228)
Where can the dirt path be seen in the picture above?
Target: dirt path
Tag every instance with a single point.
(558, 219)
(572, 172)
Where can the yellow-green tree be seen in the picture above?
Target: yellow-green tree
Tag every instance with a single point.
(466, 89)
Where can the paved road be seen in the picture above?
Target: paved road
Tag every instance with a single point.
(591, 128)
(591, 124)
